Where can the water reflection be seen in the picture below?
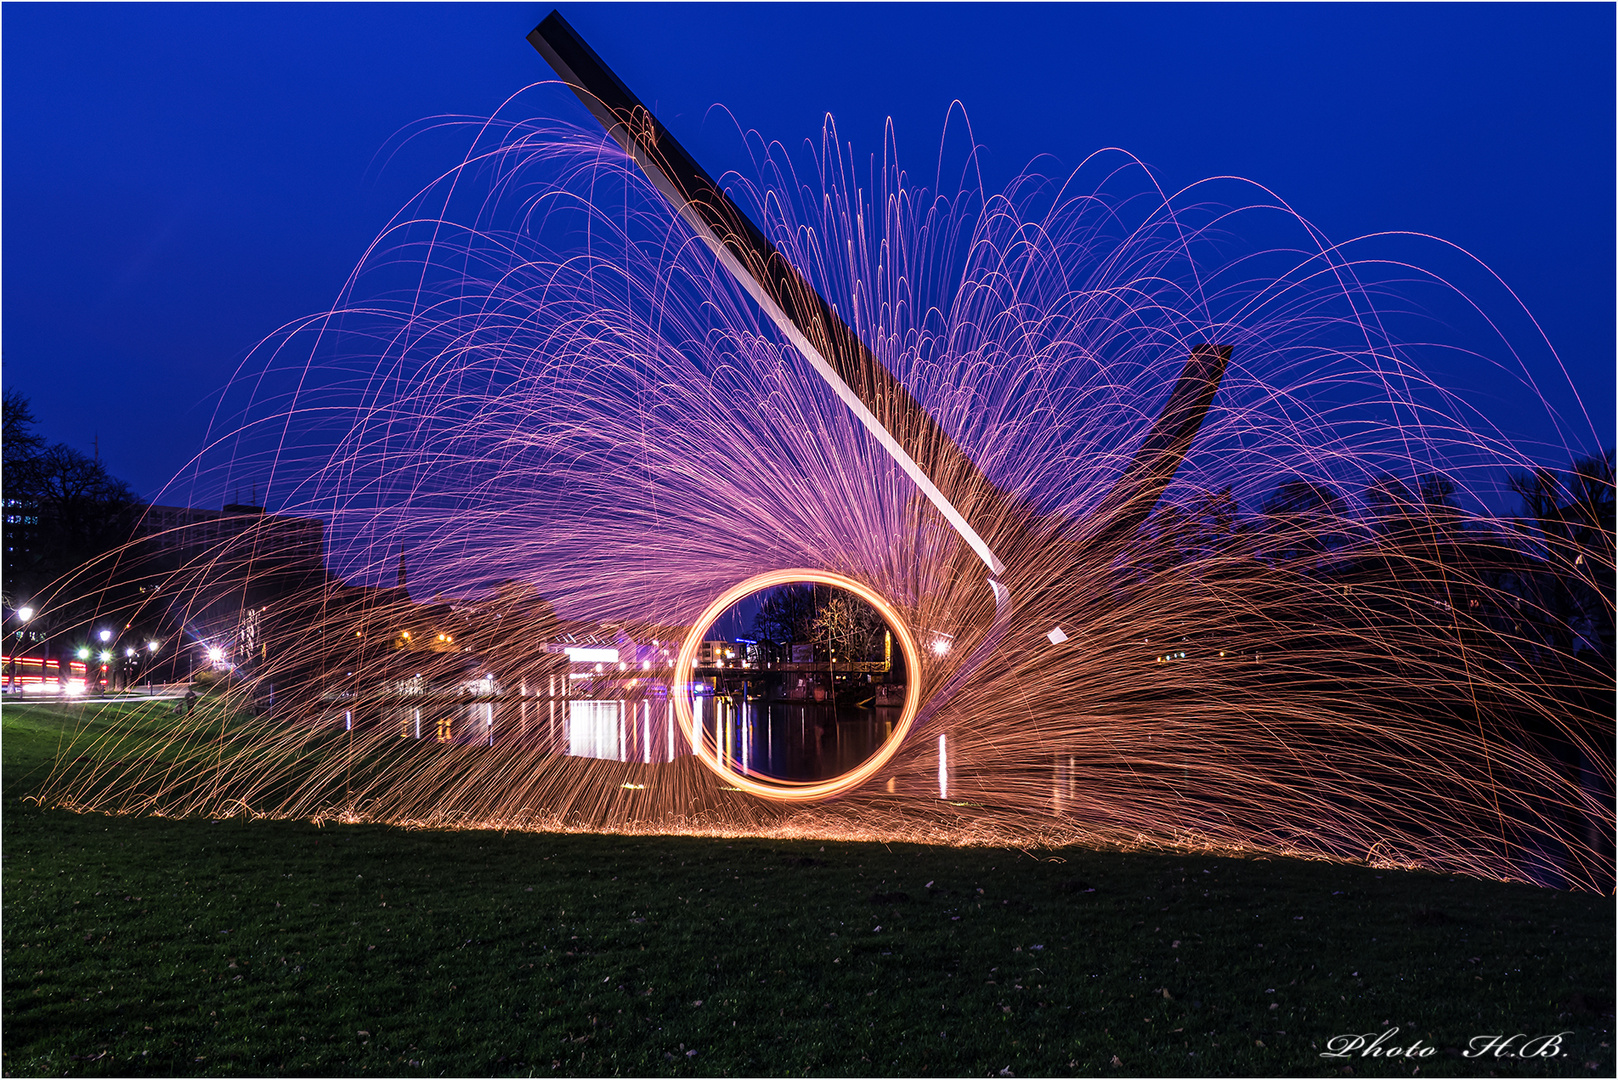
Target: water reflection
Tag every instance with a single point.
(787, 740)
(784, 740)
(627, 729)
(640, 730)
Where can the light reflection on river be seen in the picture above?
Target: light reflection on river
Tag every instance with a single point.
(793, 740)
(781, 740)
(635, 729)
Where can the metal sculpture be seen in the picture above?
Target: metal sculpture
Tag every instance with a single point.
(940, 469)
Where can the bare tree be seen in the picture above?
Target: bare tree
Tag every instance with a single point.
(850, 626)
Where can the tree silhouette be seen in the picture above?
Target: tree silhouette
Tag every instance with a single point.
(65, 516)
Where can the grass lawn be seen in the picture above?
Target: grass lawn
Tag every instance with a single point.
(137, 946)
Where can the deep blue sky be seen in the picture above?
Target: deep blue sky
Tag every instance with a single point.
(180, 180)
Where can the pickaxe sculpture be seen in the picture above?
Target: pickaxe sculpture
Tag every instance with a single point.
(905, 429)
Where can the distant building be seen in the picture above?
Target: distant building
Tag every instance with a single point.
(220, 570)
(21, 529)
(21, 535)
(21, 540)
(189, 532)
(719, 654)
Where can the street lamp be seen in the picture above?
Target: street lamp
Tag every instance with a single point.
(104, 636)
(24, 613)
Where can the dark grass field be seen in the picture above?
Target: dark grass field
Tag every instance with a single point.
(165, 947)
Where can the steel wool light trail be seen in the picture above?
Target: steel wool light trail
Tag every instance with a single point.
(1177, 540)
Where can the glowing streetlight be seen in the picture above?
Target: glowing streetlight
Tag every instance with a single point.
(216, 654)
(104, 635)
(152, 646)
(23, 613)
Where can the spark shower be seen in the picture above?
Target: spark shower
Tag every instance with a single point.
(1180, 543)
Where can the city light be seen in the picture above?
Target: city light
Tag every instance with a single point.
(25, 613)
(104, 635)
(216, 654)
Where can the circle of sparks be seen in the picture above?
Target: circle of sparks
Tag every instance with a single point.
(790, 790)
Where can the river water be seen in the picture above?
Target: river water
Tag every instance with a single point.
(779, 740)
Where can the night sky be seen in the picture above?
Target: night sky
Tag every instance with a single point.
(181, 180)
